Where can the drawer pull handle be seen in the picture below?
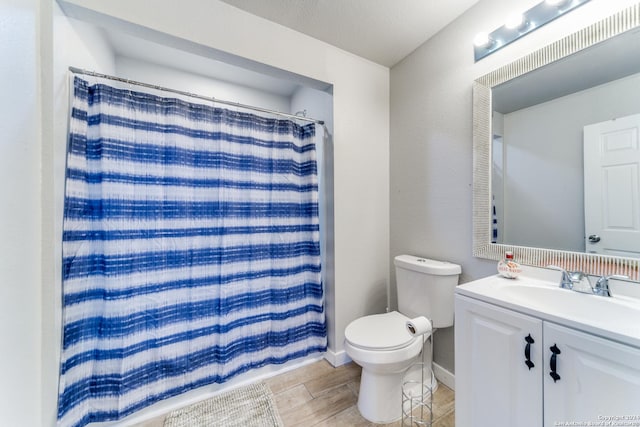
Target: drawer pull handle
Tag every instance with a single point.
(552, 363)
(527, 351)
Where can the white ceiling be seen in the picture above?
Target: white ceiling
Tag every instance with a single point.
(383, 31)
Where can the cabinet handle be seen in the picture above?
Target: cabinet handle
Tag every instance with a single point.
(527, 351)
(552, 363)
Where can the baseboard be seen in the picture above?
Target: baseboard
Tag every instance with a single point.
(337, 358)
(444, 376)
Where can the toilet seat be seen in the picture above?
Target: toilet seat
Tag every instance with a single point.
(381, 332)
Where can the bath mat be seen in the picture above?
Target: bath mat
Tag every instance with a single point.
(250, 406)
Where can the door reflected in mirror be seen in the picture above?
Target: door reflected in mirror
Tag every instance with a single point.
(611, 199)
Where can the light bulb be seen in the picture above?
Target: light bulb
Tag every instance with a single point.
(515, 21)
(556, 2)
(481, 40)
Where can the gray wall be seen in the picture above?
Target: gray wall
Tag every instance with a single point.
(431, 137)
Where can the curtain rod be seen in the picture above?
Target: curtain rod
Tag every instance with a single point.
(193, 95)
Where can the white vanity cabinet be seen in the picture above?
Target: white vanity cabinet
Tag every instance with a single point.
(597, 379)
(494, 386)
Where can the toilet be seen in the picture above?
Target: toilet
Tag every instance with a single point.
(381, 343)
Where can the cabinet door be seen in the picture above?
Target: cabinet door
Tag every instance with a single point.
(494, 385)
(598, 379)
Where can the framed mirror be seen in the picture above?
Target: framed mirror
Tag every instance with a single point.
(537, 123)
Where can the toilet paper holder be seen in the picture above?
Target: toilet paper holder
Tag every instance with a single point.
(417, 391)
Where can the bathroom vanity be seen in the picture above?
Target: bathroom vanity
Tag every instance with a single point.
(529, 353)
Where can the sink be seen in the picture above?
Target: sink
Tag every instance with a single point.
(573, 304)
(617, 317)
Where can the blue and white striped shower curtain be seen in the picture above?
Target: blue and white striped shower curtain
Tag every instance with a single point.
(191, 249)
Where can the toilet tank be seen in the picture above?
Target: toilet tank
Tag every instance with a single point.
(426, 288)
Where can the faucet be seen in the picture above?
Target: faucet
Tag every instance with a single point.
(570, 278)
(602, 285)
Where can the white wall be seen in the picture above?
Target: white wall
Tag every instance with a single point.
(20, 215)
(317, 104)
(148, 72)
(548, 211)
(431, 135)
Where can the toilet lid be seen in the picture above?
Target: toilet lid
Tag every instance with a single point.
(386, 331)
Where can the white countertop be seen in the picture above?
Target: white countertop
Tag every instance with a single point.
(538, 294)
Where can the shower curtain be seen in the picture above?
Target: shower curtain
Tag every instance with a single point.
(190, 249)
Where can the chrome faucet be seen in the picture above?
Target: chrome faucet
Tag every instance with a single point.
(570, 278)
(602, 285)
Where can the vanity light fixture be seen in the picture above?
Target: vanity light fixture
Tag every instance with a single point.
(556, 2)
(521, 24)
(482, 40)
(516, 21)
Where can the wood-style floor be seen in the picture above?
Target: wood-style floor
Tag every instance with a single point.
(321, 395)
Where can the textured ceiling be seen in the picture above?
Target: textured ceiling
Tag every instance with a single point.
(383, 31)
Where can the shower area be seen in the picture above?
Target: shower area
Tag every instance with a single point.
(184, 271)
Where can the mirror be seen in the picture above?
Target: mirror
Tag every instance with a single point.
(537, 150)
(529, 167)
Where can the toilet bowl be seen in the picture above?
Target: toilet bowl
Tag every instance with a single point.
(381, 343)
